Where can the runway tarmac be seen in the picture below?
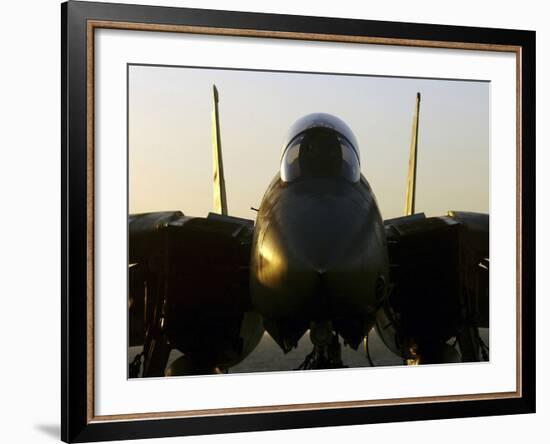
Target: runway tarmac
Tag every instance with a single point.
(269, 357)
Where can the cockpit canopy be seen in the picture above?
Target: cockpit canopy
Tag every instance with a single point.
(320, 145)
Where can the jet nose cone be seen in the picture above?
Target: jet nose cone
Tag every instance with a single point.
(316, 252)
(319, 235)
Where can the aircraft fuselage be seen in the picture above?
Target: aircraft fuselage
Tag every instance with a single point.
(319, 254)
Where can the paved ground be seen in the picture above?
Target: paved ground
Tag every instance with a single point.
(269, 357)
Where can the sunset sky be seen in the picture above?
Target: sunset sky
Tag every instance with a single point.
(170, 154)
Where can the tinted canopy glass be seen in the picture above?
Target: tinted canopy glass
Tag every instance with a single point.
(320, 152)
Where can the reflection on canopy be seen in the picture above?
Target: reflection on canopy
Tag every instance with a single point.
(320, 152)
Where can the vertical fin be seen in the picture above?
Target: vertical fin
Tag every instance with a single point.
(411, 179)
(220, 198)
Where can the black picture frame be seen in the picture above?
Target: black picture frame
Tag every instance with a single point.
(77, 425)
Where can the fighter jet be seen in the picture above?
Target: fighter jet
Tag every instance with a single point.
(318, 258)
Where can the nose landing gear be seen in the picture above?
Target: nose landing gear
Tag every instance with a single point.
(327, 351)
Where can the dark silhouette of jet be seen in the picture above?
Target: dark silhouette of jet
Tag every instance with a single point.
(319, 257)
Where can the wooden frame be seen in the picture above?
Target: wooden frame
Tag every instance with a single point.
(79, 21)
